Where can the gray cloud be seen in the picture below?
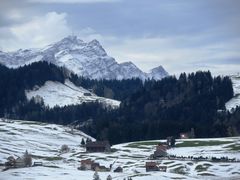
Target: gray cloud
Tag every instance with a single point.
(182, 35)
(72, 1)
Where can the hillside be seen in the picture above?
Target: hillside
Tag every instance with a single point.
(59, 94)
(43, 141)
(235, 101)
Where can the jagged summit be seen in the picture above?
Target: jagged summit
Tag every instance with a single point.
(157, 73)
(87, 59)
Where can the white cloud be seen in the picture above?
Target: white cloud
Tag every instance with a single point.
(72, 1)
(176, 53)
(38, 32)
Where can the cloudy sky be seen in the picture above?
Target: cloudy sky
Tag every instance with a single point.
(181, 35)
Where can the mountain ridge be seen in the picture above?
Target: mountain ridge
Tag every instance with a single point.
(87, 59)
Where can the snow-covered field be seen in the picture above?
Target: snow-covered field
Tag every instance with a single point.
(235, 101)
(56, 93)
(43, 141)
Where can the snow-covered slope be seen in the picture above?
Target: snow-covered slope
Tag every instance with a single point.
(43, 141)
(85, 59)
(56, 93)
(235, 101)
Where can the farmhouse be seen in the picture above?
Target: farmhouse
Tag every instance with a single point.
(98, 146)
(86, 164)
(151, 166)
(161, 151)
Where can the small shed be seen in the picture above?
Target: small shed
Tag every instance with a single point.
(37, 164)
(162, 168)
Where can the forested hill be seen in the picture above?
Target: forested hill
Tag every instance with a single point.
(149, 110)
(13, 83)
(171, 106)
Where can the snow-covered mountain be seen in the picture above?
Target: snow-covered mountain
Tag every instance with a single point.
(87, 59)
(58, 94)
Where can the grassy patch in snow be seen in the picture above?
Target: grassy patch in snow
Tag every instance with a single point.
(201, 143)
(169, 162)
(133, 156)
(179, 170)
(174, 165)
(202, 167)
(234, 147)
(142, 144)
(206, 174)
(51, 166)
(113, 150)
(32, 123)
(139, 175)
(3, 130)
(50, 158)
(190, 163)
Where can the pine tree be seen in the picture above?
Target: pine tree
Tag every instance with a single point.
(83, 142)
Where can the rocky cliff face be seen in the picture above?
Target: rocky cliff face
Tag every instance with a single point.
(88, 59)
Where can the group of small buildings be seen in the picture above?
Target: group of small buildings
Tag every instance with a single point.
(20, 162)
(88, 164)
(91, 165)
(97, 147)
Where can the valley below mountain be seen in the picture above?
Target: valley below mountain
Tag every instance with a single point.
(43, 141)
